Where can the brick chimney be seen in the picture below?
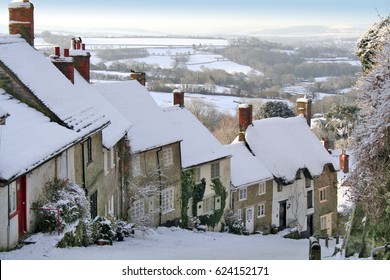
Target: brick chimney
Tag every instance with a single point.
(63, 63)
(178, 97)
(21, 19)
(244, 119)
(81, 58)
(344, 161)
(304, 108)
(139, 76)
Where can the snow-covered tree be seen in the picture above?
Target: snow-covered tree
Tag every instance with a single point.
(371, 137)
(372, 41)
(274, 109)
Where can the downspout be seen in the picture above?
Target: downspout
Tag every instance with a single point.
(9, 222)
(83, 169)
(160, 183)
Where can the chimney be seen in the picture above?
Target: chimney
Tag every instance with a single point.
(244, 119)
(344, 161)
(139, 76)
(304, 108)
(325, 143)
(63, 63)
(21, 20)
(81, 58)
(178, 97)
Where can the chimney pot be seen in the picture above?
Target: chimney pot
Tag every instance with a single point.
(244, 119)
(178, 97)
(344, 161)
(57, 51)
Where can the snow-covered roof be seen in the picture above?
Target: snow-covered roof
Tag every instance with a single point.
(49, 85)
(199, 146)
(150, 127)
(118, 126)
(286, 145)
(29, 138)
(246, 169)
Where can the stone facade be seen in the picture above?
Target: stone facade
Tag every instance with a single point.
(255, 198)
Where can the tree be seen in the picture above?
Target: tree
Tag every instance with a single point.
(274, 109)
(371, 137)
(205, 112)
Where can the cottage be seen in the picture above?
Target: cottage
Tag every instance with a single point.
(305, 178)
(154, 179)
(251, 189)
(33, 150)
(207, 163)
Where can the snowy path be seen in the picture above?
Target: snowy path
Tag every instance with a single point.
(173, 244)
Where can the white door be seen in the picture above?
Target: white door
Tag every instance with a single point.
(249, 220)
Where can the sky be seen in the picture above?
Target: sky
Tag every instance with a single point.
(201, 16)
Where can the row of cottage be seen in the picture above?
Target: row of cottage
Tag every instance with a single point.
(114, 141)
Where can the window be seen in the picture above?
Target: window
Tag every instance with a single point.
(323, 222)
(307, 183)
(136, 165)
(167, 199)
(12, 198)
(138, 210)
(208, 205)
(242, 195)
(322, 194)
(215, 170)
(261, 210)
(89, 150)
(262, 188)
(151, 204)
(197, 175)
(309, 199)
(167, 157)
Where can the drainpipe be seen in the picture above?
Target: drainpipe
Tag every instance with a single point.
(83, 169)
(160, 183)
(9, 222)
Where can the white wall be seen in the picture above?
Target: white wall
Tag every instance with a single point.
(295, 195)
(35, 181)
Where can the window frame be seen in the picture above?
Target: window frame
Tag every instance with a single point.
(262, 188)
(215, 170)
(167, 156)
(167, 200)
(243, 194)
(261, 210)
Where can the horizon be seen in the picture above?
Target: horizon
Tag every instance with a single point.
(225, 17)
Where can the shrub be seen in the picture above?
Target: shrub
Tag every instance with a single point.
(233, 223)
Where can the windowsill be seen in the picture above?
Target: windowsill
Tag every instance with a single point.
(259, 217)
(243, 199)
(167, 211)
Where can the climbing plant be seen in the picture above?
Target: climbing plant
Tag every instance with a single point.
(220, 191)
(187, 189)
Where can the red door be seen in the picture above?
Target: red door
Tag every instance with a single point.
(21, 205)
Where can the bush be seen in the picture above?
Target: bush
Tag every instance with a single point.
(102, 230)
(68, 197)
(234, 224)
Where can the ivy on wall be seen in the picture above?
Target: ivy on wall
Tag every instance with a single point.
(196, 192)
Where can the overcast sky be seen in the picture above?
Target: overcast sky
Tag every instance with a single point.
(202, 16)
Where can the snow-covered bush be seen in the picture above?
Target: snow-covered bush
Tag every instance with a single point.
(234, 223)
(66, 196)
(102, 230)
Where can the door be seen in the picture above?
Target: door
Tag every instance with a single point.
(21, 205)
(282, 215)
(249, 219)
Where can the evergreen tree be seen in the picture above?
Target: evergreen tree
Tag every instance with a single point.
(274, 109)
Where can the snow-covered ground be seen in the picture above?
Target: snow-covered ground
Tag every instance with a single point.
(176, 244)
